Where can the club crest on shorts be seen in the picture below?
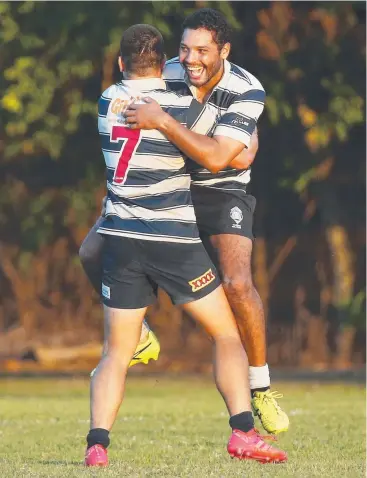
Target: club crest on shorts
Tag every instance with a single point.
(202, 281)
(236, 216)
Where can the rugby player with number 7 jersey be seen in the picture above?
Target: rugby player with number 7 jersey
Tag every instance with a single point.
(223, 206)
(151, 238)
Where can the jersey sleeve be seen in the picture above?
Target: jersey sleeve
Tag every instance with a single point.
(176, 106)
(173, 70)
(240, 119)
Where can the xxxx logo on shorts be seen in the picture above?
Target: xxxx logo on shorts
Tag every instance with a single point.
(202, 281)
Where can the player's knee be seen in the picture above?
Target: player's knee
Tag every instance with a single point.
(238, 287)
(229, 340)
(117, 357)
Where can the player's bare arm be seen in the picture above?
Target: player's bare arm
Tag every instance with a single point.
(213, 153)
(247, 156)
(242, 161)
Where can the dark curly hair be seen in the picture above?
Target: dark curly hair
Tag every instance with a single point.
(211, 20)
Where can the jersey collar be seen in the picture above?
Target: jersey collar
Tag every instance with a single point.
(146, 84)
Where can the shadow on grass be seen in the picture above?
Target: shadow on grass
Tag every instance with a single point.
(60, 462)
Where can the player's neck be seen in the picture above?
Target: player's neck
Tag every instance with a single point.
(203, 92)
(147, 75)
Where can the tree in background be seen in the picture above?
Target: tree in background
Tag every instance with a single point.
(314, 75)
(308, 178)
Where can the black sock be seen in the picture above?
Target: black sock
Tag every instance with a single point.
(263, 389)
(98, 436)
(242, 421)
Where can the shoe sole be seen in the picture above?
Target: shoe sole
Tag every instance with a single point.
(263, 461)
(147, 360)
(152, 357)
(276, 432)
(273, 432)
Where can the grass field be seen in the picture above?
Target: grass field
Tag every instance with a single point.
(174, 428)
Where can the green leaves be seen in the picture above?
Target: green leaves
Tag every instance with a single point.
(9, 28)
(313, 87)
(57, 57)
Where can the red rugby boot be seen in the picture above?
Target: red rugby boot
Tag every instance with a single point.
(251, 446)
(96, 455)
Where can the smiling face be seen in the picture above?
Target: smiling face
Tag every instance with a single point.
(201, 57)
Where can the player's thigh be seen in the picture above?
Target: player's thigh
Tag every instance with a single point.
(225, 220)
(184, 271)
(232, 255)
(92, 246)
(187, 274)
(125, 285)
(122, 328)
(214, 314)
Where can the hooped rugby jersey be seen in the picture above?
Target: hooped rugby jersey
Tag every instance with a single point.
(147, 179)
(238, 101)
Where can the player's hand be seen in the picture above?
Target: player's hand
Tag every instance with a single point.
(104, 203)
(247, 156)
(146, 116)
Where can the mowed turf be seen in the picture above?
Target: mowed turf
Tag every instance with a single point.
(174, 428)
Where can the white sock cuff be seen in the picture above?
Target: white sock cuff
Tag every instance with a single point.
(259, 377)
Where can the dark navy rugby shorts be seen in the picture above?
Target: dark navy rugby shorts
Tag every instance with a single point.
(223, 211)
(133, 268)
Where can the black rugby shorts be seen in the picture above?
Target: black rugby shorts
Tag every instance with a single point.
(223, 212)
(132, 268)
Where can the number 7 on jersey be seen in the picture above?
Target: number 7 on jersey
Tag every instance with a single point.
(128, 148)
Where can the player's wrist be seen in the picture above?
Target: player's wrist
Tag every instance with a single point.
(165, 122)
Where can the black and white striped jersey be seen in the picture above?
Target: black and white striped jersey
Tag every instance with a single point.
(238, 100)
(147, 179)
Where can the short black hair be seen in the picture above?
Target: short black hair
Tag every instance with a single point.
(142, 47)
(211, 20)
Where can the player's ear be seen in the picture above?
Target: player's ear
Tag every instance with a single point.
(226, 48)
(121, 64)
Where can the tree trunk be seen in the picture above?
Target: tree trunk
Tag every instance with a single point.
(342, 282)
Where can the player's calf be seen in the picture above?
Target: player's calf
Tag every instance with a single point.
(122, 331)
(231, 377)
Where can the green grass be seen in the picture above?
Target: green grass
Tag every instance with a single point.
(174, 428)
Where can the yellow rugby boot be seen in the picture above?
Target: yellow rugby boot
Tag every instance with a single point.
(272, 417)
(145, 351)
